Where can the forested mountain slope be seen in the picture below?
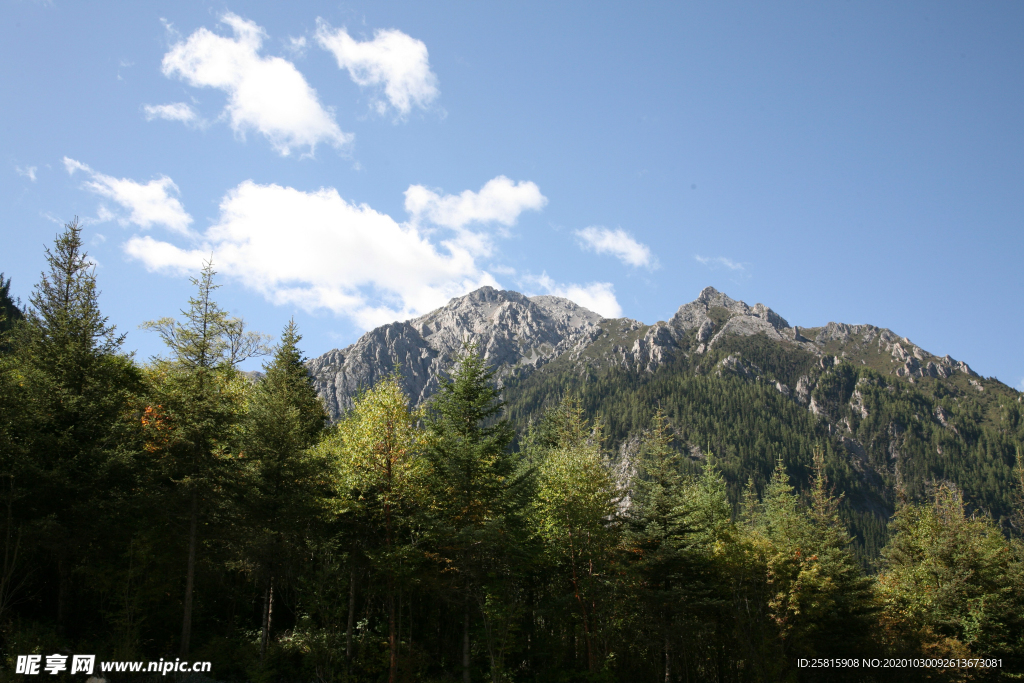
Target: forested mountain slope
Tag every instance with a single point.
(561, 518)
(736, 381)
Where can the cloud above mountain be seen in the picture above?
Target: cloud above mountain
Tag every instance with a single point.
(597, 296)
(318, 250)
(617, 243)
(500, 200)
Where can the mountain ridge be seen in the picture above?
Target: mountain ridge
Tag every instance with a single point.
(517, 334)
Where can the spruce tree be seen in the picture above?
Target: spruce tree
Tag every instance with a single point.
(476, 490)
(951, 584)
(195, 404)
(380, 475)
(283, 491)
(80, 385)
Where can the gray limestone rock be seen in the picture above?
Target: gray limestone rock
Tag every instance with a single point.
(707, 328)
(857, 403)
(517, 334)
(803, 389)
(511, 330)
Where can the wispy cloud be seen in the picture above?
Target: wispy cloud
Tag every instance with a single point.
(265, 94)
(335, 254)
(148, 204)
(176, 111)
(27, 171)
(597, 296)
(394, 61)
(500, 200)
(296, 46)
(719, 262)
(618, 243)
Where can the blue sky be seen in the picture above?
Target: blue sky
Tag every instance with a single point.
(354, 163)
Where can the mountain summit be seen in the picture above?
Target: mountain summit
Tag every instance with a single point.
(512, 331)
(518, 334)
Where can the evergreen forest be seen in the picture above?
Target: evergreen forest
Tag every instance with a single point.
(605, 525)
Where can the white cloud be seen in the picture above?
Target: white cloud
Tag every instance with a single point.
(176, 111)
(147, 204)
(500, 201)
(296, 46)
(28, 171)
(266, 94)
(597, 296)
(317, 250)
(392, 59)
(619, 244)
(719, 262)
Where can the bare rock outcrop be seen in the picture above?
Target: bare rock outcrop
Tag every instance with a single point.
(511, 330)
(518, 334)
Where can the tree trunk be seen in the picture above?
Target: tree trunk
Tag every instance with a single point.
(351, 617)
(268, 615)
(668, 663)
(63, 588)
(186, 622)
(465, 644)
(392, 638)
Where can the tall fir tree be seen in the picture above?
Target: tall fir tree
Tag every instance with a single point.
(284, 485)
(80, 385)
(195, 405)
(380, 475)
(477, 489)
(577, 517)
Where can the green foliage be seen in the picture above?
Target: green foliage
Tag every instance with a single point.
(191, 422)
(66, 473)
(584, 523)
(478, 493)
(951, 584)
(577, 521)
(10, 312)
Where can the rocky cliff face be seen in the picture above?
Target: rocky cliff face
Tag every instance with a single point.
(516, 333)
(511, 330)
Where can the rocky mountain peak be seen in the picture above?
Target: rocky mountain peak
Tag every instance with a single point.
(714, 314)
(510, 330)
(518, 334)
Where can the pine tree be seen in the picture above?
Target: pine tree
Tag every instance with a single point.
(677, 525)
(196, 401)
(380, 478)
(477, 490)
(816, 600)
(10, 312)
(951, 584)
(79, 385)
(576, 513)
(283, 489)
(656, 535)
(15, 420)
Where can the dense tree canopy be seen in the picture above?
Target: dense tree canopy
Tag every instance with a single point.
(599, 526)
